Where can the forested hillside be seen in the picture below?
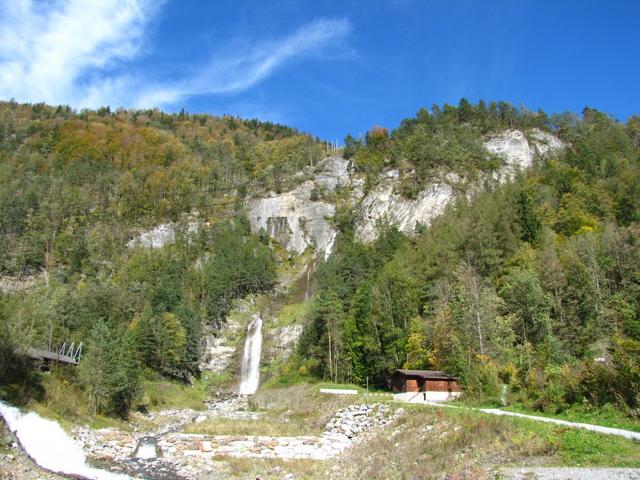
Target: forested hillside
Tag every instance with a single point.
(534, 284)
(77, 187)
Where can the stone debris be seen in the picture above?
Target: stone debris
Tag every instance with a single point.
(357, 419)
(348, 426)
(192, 455)
(231, 406)
(114, 445)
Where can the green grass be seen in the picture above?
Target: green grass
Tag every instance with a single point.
(340, 386)
(463, 443)
(579, 447)
(608, 416)
(566, 446)
(271, 425)
(293, 313)
(162, 394)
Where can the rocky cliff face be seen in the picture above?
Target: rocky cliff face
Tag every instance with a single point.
(298, 219)
(382, 205)
(519, 152)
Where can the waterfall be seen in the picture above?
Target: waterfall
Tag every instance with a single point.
(250, 373)
(311, 268)
(50, 446)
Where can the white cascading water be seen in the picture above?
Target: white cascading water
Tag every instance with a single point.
(50, 446)
(250, 372)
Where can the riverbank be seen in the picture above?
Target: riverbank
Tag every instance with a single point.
(298, 432)
(15, 464)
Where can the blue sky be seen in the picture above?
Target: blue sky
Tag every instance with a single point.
(326, 67)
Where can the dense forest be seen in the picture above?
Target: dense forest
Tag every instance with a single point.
(77, 187)
(533, 284)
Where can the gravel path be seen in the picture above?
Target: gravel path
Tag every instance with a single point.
(585, 426)
(570, 473)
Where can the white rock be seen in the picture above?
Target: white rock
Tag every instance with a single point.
(296, 219)
(160, 235)
(518, 152)
(382, 205)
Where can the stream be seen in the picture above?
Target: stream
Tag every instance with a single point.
(50, 446)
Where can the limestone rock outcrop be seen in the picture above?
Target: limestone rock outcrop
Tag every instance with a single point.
(299, 219)
(382, 204)
(161, 235)
(519, 152)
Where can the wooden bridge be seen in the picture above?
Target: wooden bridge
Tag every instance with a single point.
(68, 353)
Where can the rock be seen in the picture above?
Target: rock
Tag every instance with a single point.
(217, 354)
(383, 205)
(294, 220)
(518, 152)
(298, 219)
(16, 284)
(286, 337)
(161, 235)
(157, 237)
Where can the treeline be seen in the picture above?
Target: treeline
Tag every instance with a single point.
(534, 285)
(446, 139)
(77, 185)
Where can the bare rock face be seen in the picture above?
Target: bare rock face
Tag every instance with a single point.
(294, 220)
(286, 338)
(160, 235)
(299, 219)
(217, 354)
(518, 152)
(157, 237)
(383, 205)
(16, 284)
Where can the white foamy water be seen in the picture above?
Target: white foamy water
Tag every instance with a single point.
(146, 451)
(50, 446)
(250, 373)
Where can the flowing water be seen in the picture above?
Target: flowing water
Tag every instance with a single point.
(250, 373)
(50, 446)
(147, 448)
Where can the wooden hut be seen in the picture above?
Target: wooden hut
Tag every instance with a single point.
(424, 385)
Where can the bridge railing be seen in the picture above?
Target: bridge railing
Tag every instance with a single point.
(71, 350)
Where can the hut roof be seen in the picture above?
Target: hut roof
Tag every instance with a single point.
(428, 374)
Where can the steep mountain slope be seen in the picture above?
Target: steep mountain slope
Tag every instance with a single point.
(470, 239)
(299, 219)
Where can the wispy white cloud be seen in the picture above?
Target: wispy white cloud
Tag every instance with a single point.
(46, 48)
(70, 52)
(244, 69)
